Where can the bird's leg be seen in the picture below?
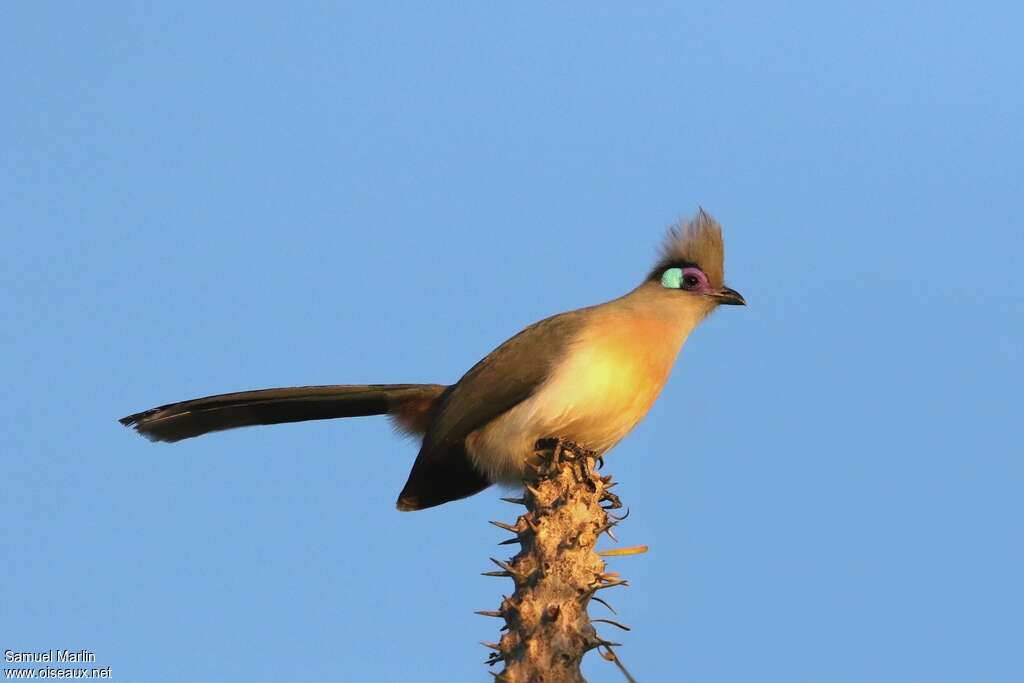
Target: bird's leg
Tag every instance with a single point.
(563, 450)
(586, 457)
(581, 456)
(586, 452)
(557, 445)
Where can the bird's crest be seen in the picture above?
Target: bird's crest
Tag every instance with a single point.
(696, 242)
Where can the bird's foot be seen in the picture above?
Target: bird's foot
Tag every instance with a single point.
(563, 450)
(562, 447)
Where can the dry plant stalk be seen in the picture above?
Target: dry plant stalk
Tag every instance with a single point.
(557, 571)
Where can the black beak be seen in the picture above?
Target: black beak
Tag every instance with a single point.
(729, 297)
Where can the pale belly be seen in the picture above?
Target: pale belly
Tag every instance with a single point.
(595, 399)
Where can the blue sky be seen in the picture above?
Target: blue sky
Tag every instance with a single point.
(201, 199)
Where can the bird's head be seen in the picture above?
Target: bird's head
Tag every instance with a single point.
(692, 263)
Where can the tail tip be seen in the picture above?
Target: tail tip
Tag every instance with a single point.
(408, 504)
(136, 422)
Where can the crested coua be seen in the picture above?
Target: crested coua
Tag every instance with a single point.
(588, 376)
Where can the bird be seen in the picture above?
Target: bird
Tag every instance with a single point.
(587, 376)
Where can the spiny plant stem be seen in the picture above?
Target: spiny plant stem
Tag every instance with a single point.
(557, 571)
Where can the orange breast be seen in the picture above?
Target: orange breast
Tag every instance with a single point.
(612, 378)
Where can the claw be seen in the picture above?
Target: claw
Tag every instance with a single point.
(612, 657)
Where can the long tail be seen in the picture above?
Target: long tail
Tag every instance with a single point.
(410, 404)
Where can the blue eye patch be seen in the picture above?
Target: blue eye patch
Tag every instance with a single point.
(672, 278)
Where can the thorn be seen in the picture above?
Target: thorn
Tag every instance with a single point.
(511, 541)
(508, 607)
(606, 643)
(504, 565)
(597, 599)
(613, 623)
(617, 518)
(607, 529)
(610, 584)
(500, 574)
(612, 657)
(489, 613)
(506, 527)
(535, 491)
(621, 552)
(514, 501)
(493, 646)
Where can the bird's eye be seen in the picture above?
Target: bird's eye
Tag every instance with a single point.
(694, 279)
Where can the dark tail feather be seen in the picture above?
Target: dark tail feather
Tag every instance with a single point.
(177, 421)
